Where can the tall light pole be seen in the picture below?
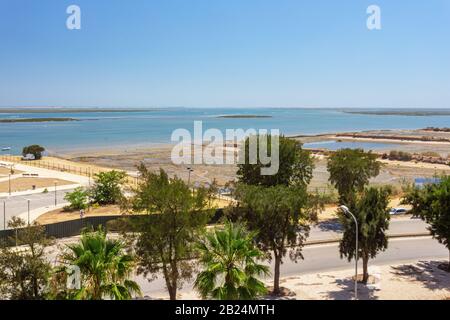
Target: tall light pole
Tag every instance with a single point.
(9, 183)
(55, 193)
(347, 211)
(189, 176)
(28, 201)
(4, 215)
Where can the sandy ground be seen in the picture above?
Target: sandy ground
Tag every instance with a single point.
(4, 171)
(411, 280)
(22, 184)
(60, 215)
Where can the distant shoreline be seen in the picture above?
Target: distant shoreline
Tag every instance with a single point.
(74, 110)
(27, 120)
(243, 116)
(411, 113)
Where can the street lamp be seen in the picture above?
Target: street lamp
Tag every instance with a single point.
(4, 215)
(189, 177)
(347, 211)
(55, 192)
(28, 201)
(9, 183)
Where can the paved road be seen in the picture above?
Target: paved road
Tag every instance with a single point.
(18, 204)
(321, 258)
(398, 225)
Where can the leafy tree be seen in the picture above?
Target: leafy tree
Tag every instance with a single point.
(78, 199)
(230, 259)
(350, 170)
(432, 204)
(107, 187)
(296, 164)
(35, 150)
(175, 218)
(105, 267)
(281, 216)
(24, 271)
(372, 213)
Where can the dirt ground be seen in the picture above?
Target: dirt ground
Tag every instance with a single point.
(23, 184)
(5, 171)
(60, 215)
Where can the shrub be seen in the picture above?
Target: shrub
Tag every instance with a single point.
(78, 199)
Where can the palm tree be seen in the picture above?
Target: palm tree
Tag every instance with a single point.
(105, 268)
(229, 257)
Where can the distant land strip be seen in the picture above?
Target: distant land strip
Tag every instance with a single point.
(417, 113)
(243, 116)
(37, 120)
(73, 110)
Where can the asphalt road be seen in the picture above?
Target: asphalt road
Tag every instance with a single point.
(322, 258)
(398, 225)
(18, 204)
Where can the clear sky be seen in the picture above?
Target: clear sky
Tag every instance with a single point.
(225, 53)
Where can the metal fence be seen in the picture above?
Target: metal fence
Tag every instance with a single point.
(74, 227)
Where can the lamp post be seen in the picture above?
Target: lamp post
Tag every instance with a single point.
(347, 211)
(4, 215)
(9, 183)
(189, 176)
(28, 201)
(55, 193)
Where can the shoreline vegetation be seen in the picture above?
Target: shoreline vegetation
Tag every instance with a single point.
(73, 110)
(412, 113)
(20, 120)
(243, 116)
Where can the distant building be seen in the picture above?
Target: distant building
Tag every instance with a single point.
(421, 182)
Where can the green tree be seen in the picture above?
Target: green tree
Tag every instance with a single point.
(372, 213)
(350, 171)
(35, 150)
(296, 165)
(104, 265)
(78, 199)
(280, 216)
(432, 204)
(175, 219)
(231, 268)
(107, 188)
(24, 270)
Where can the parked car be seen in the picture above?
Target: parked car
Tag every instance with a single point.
(398, 211)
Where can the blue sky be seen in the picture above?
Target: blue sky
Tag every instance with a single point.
(225, 53)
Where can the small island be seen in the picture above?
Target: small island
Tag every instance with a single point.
(243, 116)
(18, 120)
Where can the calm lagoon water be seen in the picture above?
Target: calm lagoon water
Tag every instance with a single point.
(122, 130)
(336, 145)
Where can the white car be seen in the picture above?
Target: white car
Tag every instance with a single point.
(398, 211)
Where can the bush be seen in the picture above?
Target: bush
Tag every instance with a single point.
(400, 155)
(35, 150)
(107, 188)
(78, 199)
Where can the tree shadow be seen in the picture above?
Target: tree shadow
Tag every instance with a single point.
(347, 291)
(426, 272)
(330, 225)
